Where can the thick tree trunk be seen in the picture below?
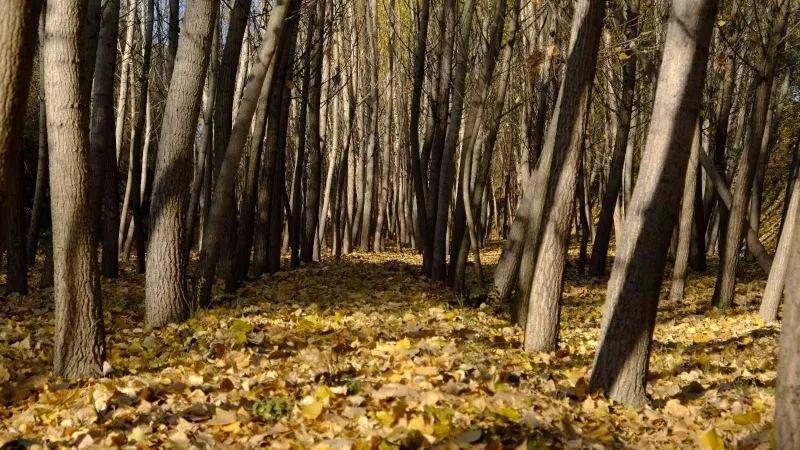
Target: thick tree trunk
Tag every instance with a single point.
(726, 280)
(597, 264)
(681, 266)
(623, 350)
(787, 392)
(18, 32)
(417, 169)
(557, 179)
(79, 336)
(221, 205)
(165, 289)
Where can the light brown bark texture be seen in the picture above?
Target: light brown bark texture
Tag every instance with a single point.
(165, 292)
(79, 336)
(623, 350)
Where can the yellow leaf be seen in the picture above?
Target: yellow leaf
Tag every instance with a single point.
(384, 418)
(324, 392)
(703, 338)
(508, 413)
(312, 410)
(750, 417)
(417, 423)
(711, 441)
(223, 417)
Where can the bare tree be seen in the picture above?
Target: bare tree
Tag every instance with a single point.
(623, 350)
(79, 337)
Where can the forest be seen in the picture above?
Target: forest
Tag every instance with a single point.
(400, 224)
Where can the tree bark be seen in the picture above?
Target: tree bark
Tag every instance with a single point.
(726, 279)
(79, 336)
(122, 99)
(597, 264)
(557, 179)
(681, 265)
(227, 175)
(313, 132)
(439, 268)
(776, 280)
(104, 192)
(623, 350)
(787, 392)
(42, 174)
(165, 290)
(225, 104)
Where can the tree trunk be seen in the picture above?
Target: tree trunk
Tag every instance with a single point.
(173, 33)
(165, 289)
(18, 33)
(122, 99)
(313, 130)
(79, 335)
(597, 264)
(202, 165)
(220, 206)
(383, 193)
(42, 173)
(468, 201)
(787, 392)
(557, 179)
(777, 275)
(371, 136)
(138, 138)
(225, 103)
(623, 350)
(104, 192)
(439, 268)
(726, 280)
(680, 270)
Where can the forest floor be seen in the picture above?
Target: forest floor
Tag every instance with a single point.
(365, 353)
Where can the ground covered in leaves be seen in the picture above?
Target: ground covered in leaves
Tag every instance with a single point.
(365, 353)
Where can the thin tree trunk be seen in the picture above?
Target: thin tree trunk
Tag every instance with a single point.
(383, 193)
(753, 244)
(124, 77)
(202, 166)
(597, 264)
(439, 268)
(104, 192)
(315, 160)
(623, 350)
(726, 279)
(165, 290)
(227, 175)
(42, 174)
(680, 270)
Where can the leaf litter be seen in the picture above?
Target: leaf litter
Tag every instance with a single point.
(364, 353)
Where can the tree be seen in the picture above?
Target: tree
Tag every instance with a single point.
(165, 291)
(556, 180)
(687, 218)
(597, 264)
(18, 32)
(102, 150)
(79, 337)
(623, 350)
(787, 392)
(726, 279)
(220, 205)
